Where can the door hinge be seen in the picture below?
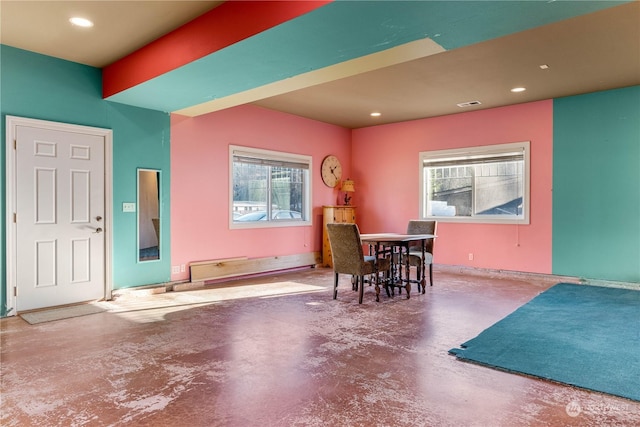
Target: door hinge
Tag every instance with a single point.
(15, 144)
(15, 217)
(15, 291)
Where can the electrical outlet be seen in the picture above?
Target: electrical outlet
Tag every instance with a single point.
(175, 269)
(182, 268)
(470, 256)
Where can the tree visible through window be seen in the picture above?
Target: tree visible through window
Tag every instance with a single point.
(269, 186)
(480, 184)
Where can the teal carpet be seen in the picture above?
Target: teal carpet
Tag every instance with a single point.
(585, 336)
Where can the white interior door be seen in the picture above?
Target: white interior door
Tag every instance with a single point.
(60, 210)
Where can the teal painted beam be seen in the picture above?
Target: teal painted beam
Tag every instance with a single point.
(338, 32)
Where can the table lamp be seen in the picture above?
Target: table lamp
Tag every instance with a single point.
(348, 187)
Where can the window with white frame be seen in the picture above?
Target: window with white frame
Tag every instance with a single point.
(268, 188)
(478, 184)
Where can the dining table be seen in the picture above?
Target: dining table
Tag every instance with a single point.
(395, 246)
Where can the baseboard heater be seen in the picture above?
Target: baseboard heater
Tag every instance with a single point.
(202, 271)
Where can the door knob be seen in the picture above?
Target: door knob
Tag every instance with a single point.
(98, 218)
(98, 230)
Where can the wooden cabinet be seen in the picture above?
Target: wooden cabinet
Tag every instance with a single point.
(331, 214)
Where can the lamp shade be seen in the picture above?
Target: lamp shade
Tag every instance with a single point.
(348, 186)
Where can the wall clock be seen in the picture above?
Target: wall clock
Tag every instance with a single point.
(331, 171)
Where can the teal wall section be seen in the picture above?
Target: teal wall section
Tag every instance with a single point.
(42, 87)
(140, 140)
(596, 185)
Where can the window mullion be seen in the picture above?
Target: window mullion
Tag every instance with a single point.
(269, 188)
(474, 193)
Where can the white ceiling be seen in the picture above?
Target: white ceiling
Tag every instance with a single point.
(593, 52)
(120, 27)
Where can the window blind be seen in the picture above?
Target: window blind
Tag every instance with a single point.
(269, 162)
(474, 160)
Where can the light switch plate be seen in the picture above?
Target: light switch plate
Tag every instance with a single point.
(128, 207)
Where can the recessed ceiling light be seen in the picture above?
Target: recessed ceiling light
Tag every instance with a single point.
(375, 114)
(544, 67)
(518, 89)
(81, 22)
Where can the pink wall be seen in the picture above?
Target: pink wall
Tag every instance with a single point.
(386, 170)
(200, 176)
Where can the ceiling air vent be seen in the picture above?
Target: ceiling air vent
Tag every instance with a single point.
(468, 104)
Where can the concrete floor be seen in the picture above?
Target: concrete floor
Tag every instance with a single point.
(221, 357)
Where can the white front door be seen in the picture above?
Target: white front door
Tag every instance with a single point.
(59, 222)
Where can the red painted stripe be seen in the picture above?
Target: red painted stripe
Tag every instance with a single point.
(222, 26)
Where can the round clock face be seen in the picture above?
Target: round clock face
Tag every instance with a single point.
(331, 171)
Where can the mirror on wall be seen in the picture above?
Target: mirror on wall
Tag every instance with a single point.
(148, 215)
